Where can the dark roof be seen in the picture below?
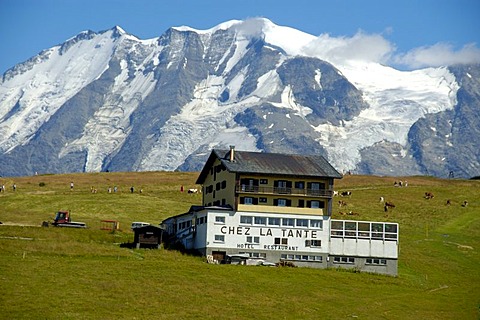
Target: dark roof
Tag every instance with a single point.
(271, 163)
(149, 227)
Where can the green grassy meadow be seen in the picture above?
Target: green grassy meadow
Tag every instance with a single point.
(63, 273)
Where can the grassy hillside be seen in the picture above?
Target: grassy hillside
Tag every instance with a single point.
(61, 273)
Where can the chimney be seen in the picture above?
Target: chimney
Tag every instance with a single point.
(232, 153)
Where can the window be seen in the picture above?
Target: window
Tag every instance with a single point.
(281, 183)
(288, 222)
(246, 219)
(263, 181)
(299, 184)
(315, 204)
(348, 260)
(283, 241)
(249, 185)
(313, 243)
(274, 221)
(219, 219)
(282, 202)
(317, 224)
(382, 262)
(251, 239)
(260, 220)
(262, 200)
(219, 238)
(248, 200)
(224, 184)
(302, 223)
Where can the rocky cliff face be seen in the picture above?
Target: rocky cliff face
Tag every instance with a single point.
(109, 101)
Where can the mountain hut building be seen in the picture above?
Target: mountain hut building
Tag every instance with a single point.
(271, 208)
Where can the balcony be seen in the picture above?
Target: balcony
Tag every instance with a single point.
(321, 193)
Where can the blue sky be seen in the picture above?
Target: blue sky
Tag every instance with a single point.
(416, 33)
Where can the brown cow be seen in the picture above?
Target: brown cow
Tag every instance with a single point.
(429, 195)
(388, 205)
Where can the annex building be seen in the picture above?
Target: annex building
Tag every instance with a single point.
(277, 208)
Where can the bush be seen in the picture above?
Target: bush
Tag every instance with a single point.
(41, 184)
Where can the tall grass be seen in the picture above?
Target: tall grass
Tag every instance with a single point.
(61, 273)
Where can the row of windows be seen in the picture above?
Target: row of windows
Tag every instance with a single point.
(364, 230)
(218, 186)
(255, 254)
(351, 260)
(347, 260)
(281, 202)
(248, 182)
(272, 221)
(298, 257)
(217, 169)
(184, 225)
(221, 202)
(187, 224)
(278, 241)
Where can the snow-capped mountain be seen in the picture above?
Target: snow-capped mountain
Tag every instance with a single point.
(111, 101)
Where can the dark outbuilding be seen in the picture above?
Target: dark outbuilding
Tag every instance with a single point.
(148, 237)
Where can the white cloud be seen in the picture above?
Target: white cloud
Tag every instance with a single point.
(440, 54)
(362, 46)
(252, 27)
(376, 48)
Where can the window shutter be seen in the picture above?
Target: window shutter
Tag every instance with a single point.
(309, 204)
(242, 200)
(275, 202)
(289, 184)
(255, 201)
(289, 203)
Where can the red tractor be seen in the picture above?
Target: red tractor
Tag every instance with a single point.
(62, 219)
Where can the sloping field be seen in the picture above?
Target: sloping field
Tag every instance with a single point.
(62, 273)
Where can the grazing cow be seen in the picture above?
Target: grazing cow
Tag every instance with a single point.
(429, 195)
(465, 203)
(335, 193)
(388, 205)
(382, 199)
(192, 190)
(342, 203)
(448, 202)
(346, 193)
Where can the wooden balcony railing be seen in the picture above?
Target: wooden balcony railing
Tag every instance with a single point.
(321, 193)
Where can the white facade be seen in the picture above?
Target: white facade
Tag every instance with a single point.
(305, 240)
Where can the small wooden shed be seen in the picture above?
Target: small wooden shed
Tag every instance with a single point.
(148, 237)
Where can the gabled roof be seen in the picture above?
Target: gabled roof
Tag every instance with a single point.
(247, 162)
